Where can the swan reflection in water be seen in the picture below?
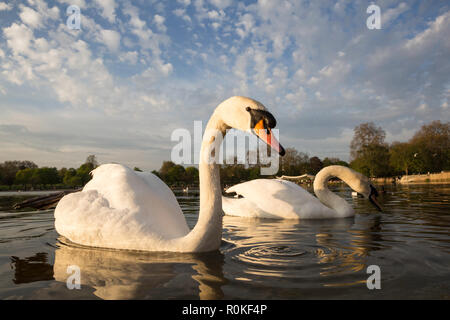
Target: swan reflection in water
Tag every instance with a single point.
(120, 274)
(287, 253)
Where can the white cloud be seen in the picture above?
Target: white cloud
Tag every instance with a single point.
(337, 69)
(80, 3)
(108, 9)
(182, 14)
(159, 21)
(5, 6)
(18, 38)
(221, 4)
(131, 57)
(111, 39)
(30, 17)
(245, 25)
(391, 14)
(184, 2)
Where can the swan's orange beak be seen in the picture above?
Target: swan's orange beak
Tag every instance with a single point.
(267, 136)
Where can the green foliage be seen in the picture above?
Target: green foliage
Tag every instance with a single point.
(334, 161)
(8, 170)
(432, 143)
(175, 174)
(294, 163)
(369, 152)
(427, 151)
(27, 175)
(403, 158)
(372, 161)
(315, 165)
(84, 172)
(191, 174)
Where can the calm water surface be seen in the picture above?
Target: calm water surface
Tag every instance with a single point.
(258, 259)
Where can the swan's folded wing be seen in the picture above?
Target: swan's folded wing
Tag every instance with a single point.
(86, 218)
(279, 198)
(243, 207)
(119, 204)
(153, 203)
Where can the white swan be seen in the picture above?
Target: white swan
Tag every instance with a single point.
(125, 209)
(279, 199)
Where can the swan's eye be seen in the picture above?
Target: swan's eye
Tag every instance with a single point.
(265, 116)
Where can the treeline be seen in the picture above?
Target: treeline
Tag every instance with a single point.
(427, 151)
(293, 163)
(26, 175)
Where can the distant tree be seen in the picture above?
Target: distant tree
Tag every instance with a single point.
(84, 172)
(92, 159)
(191, 175)
(9, 170)
(334, 161)
(46, 176)
(62, 174)
(71, 179)
(432, 143)
(255, 173)
(403, 158)
(156, 173)
(175, 174)
(23, 177)
(315, 164)
(233, 173)
(137, 169)
(373, 161)
(165, 168)
(364, 135)
(369, 152)
(294, 163)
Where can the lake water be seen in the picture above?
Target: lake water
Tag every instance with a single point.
(258, 259)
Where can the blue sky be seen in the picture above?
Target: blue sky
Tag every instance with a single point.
(137, 70)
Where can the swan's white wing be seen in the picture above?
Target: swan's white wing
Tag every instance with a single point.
(273, 198)
(243, 207)
(120, 208)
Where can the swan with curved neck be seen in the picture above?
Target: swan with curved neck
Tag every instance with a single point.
(280, 199)
(124, 209)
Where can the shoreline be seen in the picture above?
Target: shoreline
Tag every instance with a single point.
(429, 178)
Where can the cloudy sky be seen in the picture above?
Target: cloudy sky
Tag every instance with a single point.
(137, 70)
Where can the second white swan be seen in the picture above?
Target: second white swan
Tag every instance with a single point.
(280, 199)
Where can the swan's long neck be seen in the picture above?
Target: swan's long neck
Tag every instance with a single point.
(207, 233)
(331, 200)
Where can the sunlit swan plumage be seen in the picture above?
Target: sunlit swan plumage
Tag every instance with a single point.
(125, 209)
(280, 199)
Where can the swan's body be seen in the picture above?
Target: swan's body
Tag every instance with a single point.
(125, 209)
(280, 199)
